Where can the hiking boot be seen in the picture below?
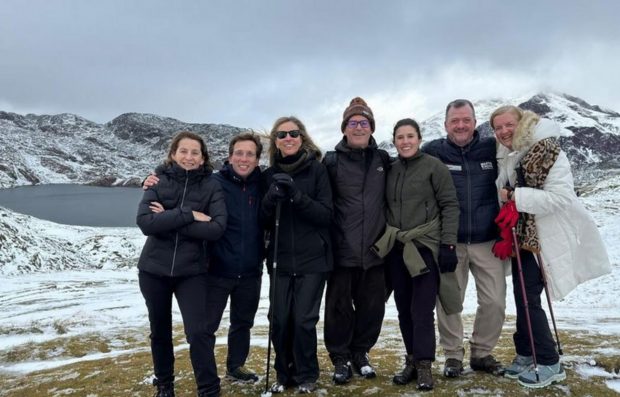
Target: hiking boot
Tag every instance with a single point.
(547, 374)
(453, 368)
(487, 364)
(242, 374)
(408, 373)
(519, 365)
(163, 389)
(425, 377)
(342, 372)
(362, 366)
(277, 387)
(306, 388)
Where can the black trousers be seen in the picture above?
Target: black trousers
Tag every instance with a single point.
(295, 306)
(546, 352)
(244, 296)
(354, 309)
(190, 293)
(415, 300)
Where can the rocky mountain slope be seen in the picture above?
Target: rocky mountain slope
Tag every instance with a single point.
(66, 148)
(592, 147)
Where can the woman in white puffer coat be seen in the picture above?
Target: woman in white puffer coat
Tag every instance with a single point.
(536, 174)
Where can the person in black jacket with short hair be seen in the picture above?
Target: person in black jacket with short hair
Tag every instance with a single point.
(297, 182)
(179, 215)
(235, 266)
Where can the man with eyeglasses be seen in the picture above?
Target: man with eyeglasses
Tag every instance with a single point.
(235, 266)
(472, 162)
(355, 298)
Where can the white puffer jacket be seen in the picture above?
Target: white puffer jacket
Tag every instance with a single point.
(571, 246)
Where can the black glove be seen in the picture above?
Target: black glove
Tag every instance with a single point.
(285, 181)
(275, 194)
(447, 258)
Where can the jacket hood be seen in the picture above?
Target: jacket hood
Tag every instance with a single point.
(532, 129)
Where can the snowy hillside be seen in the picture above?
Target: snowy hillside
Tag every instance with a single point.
(66, 148)
(30, 245)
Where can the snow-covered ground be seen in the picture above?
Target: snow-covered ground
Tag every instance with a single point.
(107, 301)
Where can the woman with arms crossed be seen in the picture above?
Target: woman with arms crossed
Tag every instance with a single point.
(179, 215)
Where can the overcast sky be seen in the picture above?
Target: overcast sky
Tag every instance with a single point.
(245, 63)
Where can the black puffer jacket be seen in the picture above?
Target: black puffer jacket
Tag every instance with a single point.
(474, 170)
(303, 244)
(176, 243)
(359, 204)
(240, 251)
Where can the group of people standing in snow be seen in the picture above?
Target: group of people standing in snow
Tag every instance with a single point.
(360, 225)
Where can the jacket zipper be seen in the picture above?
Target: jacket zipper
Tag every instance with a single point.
(243, 221)
(468, 178)
(176, 237)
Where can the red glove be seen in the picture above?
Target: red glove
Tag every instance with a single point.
(502, 249)
(505, 234)
(508, 215)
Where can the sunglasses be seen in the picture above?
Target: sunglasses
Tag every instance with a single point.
(361, 123)
(292, 134)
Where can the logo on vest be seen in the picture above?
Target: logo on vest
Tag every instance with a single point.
(454, 167)
(487, 165)
(380, 168)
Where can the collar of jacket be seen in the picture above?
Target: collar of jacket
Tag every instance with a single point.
(416, 156)
(176, 171)
(343, 146)
(475, 138)
(229, 173)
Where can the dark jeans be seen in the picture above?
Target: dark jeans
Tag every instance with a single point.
(244, 296)
(354, 309)
(295, 308)
(546, 353)
(190, 293)
(415, 300)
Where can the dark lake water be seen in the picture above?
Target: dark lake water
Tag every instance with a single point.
(75, 204)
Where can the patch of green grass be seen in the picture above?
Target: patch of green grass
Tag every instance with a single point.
(129, 374)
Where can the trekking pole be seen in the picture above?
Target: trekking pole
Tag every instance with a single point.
(527, 308)
(544, 277)
(272, 295)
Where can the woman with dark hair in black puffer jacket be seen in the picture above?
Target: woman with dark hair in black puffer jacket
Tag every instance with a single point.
(179, 215)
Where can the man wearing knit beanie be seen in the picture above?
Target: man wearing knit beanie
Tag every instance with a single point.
(354, 303)
(357, 107)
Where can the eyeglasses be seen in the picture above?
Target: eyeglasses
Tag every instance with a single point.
(293, 134)
(355, 123)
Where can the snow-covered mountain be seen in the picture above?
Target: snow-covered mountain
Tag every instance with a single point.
(66, 148)
(69, 149)
(593, 146)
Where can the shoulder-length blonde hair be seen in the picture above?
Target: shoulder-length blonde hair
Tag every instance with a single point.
(306, 141)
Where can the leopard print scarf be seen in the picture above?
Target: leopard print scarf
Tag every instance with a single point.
(534, 168)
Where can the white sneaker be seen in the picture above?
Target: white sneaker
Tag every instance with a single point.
(547, 374)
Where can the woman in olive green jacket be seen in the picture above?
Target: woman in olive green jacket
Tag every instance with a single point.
(422, 218)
